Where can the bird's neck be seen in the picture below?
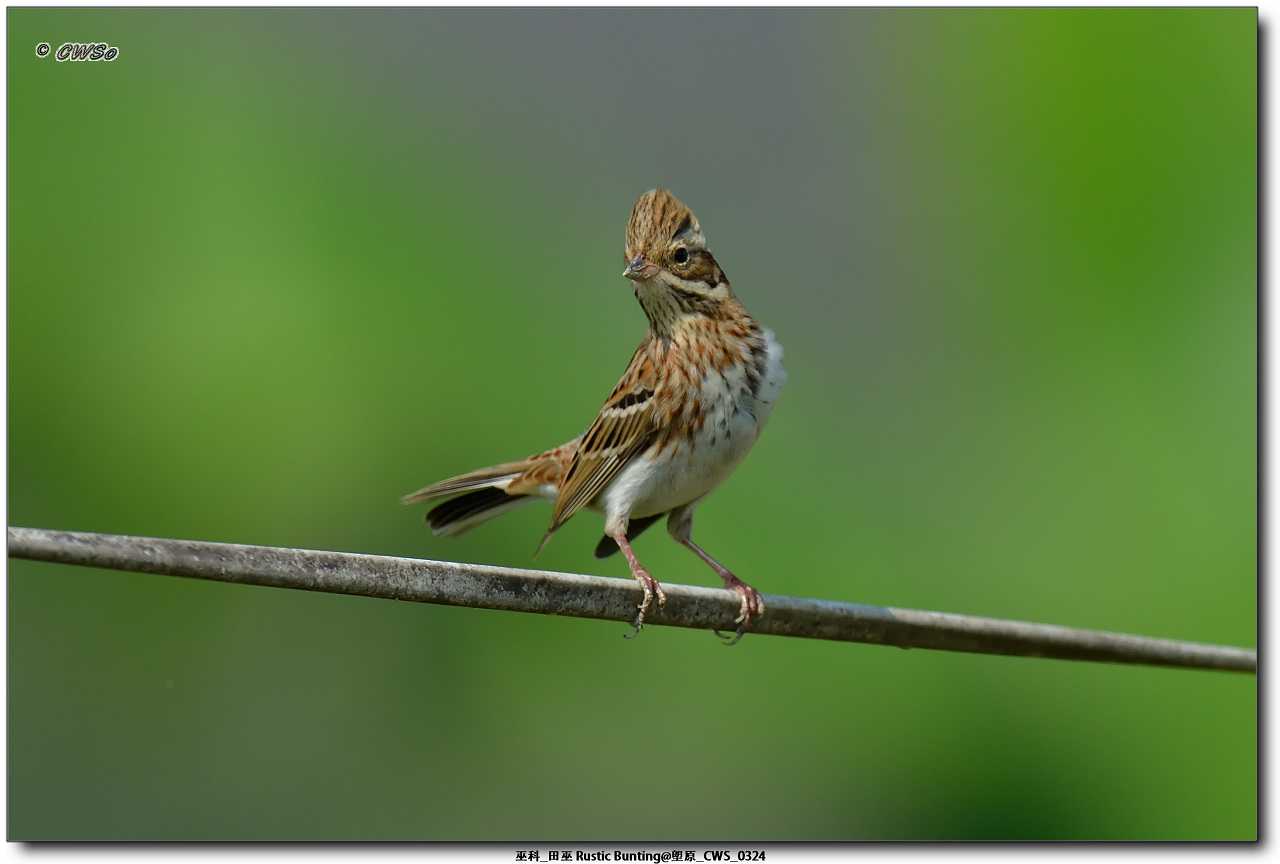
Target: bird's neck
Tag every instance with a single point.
(672, 310)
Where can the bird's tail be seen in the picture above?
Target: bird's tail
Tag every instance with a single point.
(473, 498)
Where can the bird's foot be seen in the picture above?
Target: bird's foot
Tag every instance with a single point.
(752, 606)
(651, 589)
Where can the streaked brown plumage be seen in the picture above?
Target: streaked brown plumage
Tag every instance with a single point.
(693, 400)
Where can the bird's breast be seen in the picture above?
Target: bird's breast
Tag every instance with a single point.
(721, 401)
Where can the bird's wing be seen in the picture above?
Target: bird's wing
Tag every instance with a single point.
(624, 428)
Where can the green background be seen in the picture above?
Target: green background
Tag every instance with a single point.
(270, 270)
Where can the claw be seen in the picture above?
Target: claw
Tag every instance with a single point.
(752, 602)
(752, 607)
(650, 586)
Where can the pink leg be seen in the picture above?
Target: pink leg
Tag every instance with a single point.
(752, 602)
(647, 582)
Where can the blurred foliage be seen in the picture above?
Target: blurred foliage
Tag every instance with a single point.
(269, 270)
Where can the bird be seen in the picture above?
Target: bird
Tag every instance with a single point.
(690, 405)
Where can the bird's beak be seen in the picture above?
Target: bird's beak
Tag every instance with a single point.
(639, 269)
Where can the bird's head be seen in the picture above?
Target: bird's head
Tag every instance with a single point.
(668, 263)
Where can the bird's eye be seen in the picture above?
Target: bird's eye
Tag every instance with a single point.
(681, 255)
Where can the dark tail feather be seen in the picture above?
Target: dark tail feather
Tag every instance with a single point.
(608, 546)
(481, 479)
(467, 511)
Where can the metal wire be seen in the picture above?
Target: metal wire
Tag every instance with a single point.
(548, 593)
